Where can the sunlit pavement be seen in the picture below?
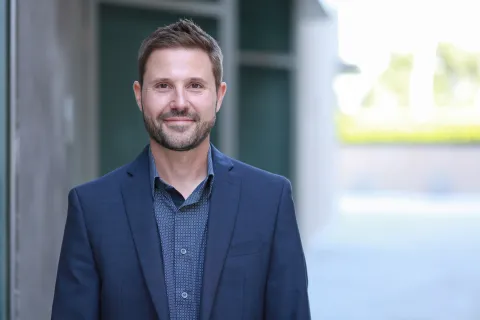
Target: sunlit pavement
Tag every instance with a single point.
(395, 257)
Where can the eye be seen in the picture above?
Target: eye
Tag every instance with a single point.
(196, 85)
(161, 85)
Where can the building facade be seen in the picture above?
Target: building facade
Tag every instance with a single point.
(68, 114)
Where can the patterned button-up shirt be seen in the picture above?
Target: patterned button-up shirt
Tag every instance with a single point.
(182, 225)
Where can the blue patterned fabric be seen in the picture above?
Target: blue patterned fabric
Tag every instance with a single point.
(182, 225)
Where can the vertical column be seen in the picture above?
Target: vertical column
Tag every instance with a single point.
(315, 147)
(45, 89)
(12, 159)
(83, 152)
(228, 124)
(3, 159)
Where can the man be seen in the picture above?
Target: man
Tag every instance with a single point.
(183, 232)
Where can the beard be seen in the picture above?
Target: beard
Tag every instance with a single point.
(183, 137)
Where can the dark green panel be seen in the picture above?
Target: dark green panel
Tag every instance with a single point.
(3, 158)
(122, 29)
(265, 129)
(265, 25)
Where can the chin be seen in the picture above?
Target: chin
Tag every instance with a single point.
(179, 143)
(180, 147)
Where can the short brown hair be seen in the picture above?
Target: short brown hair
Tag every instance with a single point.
(181, 34)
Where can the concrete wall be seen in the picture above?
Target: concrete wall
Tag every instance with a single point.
(411, 168)
(51, 78)
(3, 158)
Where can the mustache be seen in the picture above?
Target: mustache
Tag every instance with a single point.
(179, 113)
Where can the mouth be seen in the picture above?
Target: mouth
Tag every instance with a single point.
(178, 122)
(178, 119)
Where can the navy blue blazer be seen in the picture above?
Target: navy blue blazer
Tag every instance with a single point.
(111, 267)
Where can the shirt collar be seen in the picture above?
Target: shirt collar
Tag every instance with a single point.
(154, 176)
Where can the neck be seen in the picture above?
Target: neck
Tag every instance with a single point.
(183, 170)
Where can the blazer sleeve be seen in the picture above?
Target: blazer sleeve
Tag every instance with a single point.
(287, 286)
(77, 285)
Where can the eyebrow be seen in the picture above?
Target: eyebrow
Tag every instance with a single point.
(156, 80)
(195, 79)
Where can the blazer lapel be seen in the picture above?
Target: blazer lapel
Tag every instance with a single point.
(221, 223)
(137, 197)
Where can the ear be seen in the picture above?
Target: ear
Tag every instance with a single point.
(222, 89)
(137, 90)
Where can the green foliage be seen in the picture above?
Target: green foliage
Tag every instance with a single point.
(456, 86)
(394, 81)
(456, 79)
(352, 130)
(459, 62)
(397, 77)
(457, 69)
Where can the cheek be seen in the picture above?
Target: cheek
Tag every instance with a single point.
(208, 113)
(204, 105)
(154, 104)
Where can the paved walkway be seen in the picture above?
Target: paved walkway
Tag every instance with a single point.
(398, 258)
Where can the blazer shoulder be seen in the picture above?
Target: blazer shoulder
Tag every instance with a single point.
(100, 185)
(250, 172)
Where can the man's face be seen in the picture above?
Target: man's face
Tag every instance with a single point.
(178, 99)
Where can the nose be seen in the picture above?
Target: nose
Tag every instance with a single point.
(180, 101)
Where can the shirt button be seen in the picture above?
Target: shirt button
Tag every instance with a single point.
(183, 251)
(184, 295)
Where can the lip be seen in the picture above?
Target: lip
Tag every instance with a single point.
(178, 120)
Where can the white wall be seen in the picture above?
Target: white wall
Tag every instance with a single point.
(316, 149)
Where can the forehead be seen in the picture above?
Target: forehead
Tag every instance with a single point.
(179, 63)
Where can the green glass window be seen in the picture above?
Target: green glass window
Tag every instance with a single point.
(265, 122)
(265, 25)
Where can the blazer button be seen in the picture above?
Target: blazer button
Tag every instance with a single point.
(184, 295)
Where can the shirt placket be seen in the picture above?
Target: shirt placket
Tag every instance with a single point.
(184, 257)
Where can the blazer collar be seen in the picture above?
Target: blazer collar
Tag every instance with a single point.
(138, 202)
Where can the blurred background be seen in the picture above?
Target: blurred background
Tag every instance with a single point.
(370, 107)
